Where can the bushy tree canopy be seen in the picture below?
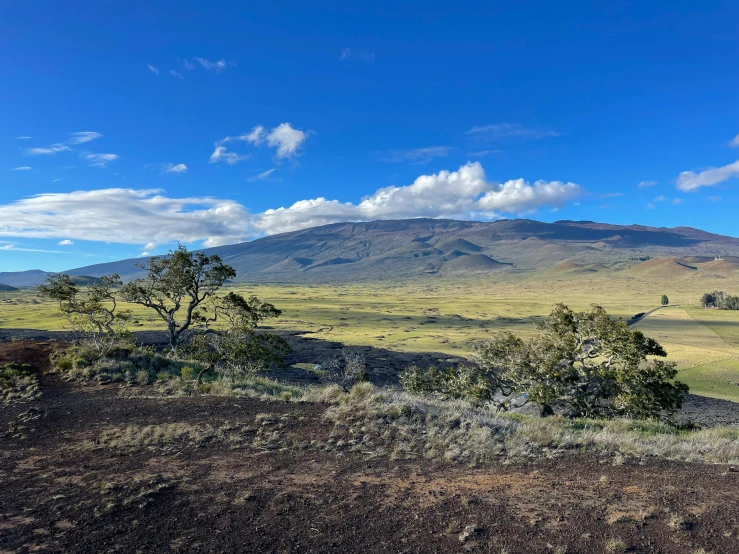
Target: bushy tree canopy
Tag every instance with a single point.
(180, 280)
(583, 364)
(94, 311)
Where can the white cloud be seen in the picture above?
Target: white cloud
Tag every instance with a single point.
(15, 248)
(216, 66)
(153, 69)
(263, 175)
(499, 131)
(220, 154)
(150, 246)
(463, 193)
(612, 195)
(186, 65)
(417, 155)
(646, 184)
(286, 139)
(689, 181)
(53, 149)
(659, 198)
(22, 168)
(175, 74)
(650, 206)
(66, 242)
(82, 137)
(125, 216)
(734, 141)
(677, 201)
(179, 168)
(23, 138)
(714, 198)
(98, 160)
(347, 54)
(148, 216)
(144, 254)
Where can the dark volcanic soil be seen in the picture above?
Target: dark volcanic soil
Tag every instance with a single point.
(286, 496)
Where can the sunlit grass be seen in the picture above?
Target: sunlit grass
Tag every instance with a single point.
(445, 315)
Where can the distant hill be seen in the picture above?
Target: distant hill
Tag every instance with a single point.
(6, 288)
(29, 278)
(421, 248)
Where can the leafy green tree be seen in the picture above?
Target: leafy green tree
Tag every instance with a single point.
(176, 285)
(237, 348)
(463, 382)
(584, 364)
(665, 300)
(92, 311)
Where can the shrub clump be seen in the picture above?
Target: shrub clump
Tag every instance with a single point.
(581, 365)
(125, 362)
(18, 384)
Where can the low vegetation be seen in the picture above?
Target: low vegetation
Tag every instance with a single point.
(581, 364)
(18, 384)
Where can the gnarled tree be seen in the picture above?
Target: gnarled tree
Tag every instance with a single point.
(584, 364)
(92, 312)
(176, 285)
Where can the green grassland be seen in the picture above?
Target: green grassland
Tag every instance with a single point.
(445, 315)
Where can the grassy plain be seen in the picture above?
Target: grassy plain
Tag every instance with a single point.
(444, 315)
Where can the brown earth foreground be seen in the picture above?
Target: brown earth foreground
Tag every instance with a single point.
(63, 488)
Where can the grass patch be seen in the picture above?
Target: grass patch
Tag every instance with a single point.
(18, 384)
(403, 425)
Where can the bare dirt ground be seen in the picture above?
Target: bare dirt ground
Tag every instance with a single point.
(283, 495)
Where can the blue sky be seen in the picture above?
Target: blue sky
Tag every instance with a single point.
(198, 121)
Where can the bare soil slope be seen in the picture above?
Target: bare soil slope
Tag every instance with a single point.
(63, 488)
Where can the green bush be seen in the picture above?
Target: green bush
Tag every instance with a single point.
(463, 383)
(187, 373)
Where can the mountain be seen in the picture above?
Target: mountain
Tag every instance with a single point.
(6, 288)
(29, 278)
(403, 249)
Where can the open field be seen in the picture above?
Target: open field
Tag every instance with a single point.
(112, 468)
(444, 315)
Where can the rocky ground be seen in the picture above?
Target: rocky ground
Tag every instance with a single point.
(82, 469)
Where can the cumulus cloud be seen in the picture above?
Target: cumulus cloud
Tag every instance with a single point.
(498, 131)
(463, 193)
(172, 168)
(417, 155)
(153, 69)
(646, 184)
(22, 168)
(347, 54)
(148, 216)
(82, 137)
(66, 242)
(98, 160)
(286, 139)
(688, 181)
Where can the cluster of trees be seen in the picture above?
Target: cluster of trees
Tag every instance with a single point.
(182, 290)
(581, 365)
(721, 300)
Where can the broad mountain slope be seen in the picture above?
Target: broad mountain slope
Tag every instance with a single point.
(402, 249)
